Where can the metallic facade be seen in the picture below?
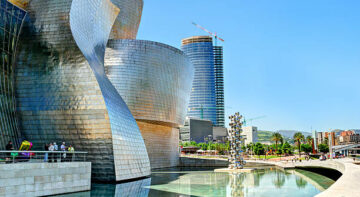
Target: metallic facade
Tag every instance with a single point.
(203, 99)
(61, 98)
(127, 23)
(11, 20)
(219, 86)
(91, 34)
(155, 81)
(153, 78)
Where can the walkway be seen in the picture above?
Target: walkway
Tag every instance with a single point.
(348, 185)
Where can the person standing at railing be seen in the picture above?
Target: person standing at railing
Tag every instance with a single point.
(9, 147)
(63, 149)
(46, 154)
(71, 151)
(51, 155)
(56, 148)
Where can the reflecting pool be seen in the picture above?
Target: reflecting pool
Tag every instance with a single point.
(184, 182)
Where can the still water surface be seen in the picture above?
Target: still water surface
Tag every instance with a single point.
(205, 182)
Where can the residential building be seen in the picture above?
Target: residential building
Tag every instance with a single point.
(250, 134)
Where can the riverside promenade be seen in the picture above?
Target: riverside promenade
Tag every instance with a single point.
(348, 185)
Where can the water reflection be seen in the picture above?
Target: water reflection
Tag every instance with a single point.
(189, 182)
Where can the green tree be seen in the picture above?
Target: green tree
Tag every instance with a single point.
(203, 146)
(193, 143)
(309, 140)
(306, 148)
(324, 148)
(286, 148)
(276, 137)
(258, 148)
(243, 148)
(298, 137)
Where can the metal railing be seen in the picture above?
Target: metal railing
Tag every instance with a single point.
(41, 156)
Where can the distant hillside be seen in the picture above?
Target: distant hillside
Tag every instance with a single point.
(265, 136)
(290, 133)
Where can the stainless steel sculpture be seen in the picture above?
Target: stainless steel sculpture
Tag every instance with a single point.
(11, 20)
(155, 81)
(236, 140)
(60, 97)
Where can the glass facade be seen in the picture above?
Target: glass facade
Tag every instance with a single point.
(63, 95)
(202, 104)
(219, 86)
(155, 81)
(11, 20)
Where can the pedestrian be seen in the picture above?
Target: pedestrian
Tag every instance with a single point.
(51, 154)
(9, 147)
(63, 149)
(56, 148)
(46, 156)
(71, 151)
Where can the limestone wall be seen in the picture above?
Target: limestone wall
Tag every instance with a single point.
(43, 179)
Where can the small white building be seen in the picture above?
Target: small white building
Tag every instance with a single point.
(250, 133)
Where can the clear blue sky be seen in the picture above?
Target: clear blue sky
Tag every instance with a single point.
(297, 62)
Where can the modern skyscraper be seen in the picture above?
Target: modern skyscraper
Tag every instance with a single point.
(11, 20)
(207, 95)
(219, 86)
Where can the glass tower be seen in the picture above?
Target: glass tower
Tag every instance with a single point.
(203, 95)
(11, 20)
(219, 86)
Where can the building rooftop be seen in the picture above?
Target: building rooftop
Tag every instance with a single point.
(196, 39)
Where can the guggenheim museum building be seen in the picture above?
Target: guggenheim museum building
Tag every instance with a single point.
(73, 71)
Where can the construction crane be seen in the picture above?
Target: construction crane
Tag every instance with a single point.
(251, 119)
(209, 32)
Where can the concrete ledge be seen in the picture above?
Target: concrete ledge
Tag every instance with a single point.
(244, 170)
(43, 179)
(202, 162)
(348, 185)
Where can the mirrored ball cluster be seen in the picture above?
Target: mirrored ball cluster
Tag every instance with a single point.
(236, 140)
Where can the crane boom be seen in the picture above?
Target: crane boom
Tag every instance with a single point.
(209, 32)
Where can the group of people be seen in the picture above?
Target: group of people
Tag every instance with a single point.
(64, 154)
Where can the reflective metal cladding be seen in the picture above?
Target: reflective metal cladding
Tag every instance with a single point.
(153, 78)
(91, 34)
(11, 20)
(60, 98)
(155, 81)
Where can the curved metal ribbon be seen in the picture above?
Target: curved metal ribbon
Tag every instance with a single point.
(91, 22)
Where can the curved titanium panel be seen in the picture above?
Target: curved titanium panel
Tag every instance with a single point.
(58, 96)
(11, 20)
(203, 99)
(127, 23)
(153, 78)
(90, 23)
